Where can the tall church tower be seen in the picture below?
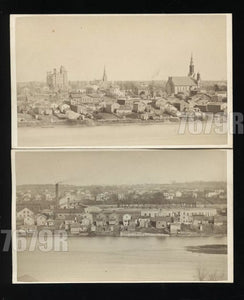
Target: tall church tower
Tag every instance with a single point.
(191, 68)
(105, 79)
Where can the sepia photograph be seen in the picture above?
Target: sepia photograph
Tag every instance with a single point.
(154, 81)
(122, 216)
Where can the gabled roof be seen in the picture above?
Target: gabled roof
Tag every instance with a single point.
(20, 209)
(183, 80)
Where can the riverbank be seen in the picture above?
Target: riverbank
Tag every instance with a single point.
(125, 234)
(84, 123)
(104, 122)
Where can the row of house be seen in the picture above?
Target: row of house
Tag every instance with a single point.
(97, 221)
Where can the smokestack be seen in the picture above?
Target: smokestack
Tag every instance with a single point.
(56, 194)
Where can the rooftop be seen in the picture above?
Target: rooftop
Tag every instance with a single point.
(183, 80)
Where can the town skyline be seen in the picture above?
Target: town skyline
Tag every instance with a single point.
(131, 47)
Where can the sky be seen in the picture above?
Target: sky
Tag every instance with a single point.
(120, 167)
(141, 47)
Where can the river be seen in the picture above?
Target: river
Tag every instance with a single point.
(117, 135)
(123, 259)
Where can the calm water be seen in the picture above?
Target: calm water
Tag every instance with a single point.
(123, 259)
(115, 135)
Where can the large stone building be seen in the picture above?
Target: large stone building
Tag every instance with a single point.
(57, 80)
(184, 84)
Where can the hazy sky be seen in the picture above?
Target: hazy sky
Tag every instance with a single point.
(131, 47)
(120, 167)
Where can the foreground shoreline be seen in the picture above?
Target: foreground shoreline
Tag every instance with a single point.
(130, 234)
(92, 123)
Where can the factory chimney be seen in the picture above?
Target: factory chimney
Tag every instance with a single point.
(57, 194)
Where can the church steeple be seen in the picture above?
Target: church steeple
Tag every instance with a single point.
(191, 63)
(191, 68)
(105, 79)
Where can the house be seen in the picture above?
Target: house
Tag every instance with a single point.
(41, 220)
(48, 111)
(85, 222)
(29, 220)
(124, 109)
(185, 217)
(181, 105)
(48, 197)
(50, 222)
(88, 217)
(145, 116)
(200, 220)
(162, 222)
(24, 213)
(126, 219)
(80, 109)
(67, 201)
(124, 101)
(75, 228)
(175, 228)
(212, 194)
(37, 197)
(64, 108)
(178, 194)
(202, 107)
(26, 199)
(113, 219)
(143, 222)
(93, 228)
(121, 196)
(139, 106)
(216, 107)
(168, 196)
(111, 107)
(102, 197)
(159, 103)
(101, 219)
(69, 220)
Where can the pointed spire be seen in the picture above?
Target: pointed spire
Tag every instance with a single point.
(104, 75)
(191, 67)
(191, 59)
